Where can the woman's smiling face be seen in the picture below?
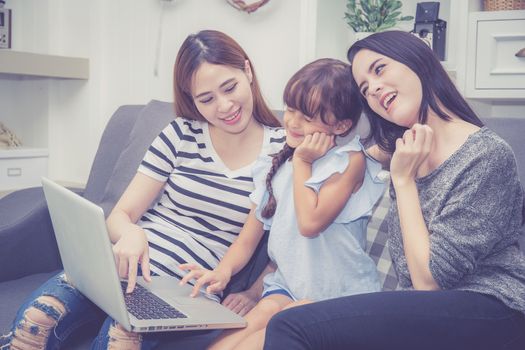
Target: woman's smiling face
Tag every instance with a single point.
(391, 89)
(223, 96)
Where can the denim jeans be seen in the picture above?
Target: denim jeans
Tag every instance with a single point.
(79, 310)
(181, 339)
(451, 320)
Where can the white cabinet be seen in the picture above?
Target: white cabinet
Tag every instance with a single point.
(495, 66)
(21, 168)
(25, 87)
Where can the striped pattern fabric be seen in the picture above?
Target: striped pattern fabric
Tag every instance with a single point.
(377, 234)
(203, 205)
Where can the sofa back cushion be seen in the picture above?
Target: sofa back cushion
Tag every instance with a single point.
(113, 141)
(376, 236)
(121, 168)
(511, 130)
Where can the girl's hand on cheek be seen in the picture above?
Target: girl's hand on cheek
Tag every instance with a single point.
(411, 150)
(314, 146)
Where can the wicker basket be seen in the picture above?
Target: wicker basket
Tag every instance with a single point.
(501, 5)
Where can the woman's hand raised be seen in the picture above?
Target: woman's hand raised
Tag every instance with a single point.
(411, 151)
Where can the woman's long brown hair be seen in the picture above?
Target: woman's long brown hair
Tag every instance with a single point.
(215, 48)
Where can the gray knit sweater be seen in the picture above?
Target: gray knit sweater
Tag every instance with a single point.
(472, 205)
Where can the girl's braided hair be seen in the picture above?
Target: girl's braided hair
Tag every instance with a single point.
(277, 160)
(320, 88)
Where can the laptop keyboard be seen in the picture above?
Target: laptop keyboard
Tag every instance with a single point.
(145, 305)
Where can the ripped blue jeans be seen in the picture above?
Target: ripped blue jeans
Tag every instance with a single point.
(79, 311)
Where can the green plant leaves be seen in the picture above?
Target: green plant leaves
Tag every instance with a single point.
(374, 15)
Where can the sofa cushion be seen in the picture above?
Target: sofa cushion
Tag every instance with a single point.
(152, 119)
(27, 241)
(113, 141)
(376, 236)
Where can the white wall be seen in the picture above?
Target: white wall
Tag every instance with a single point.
(25, 102)
(332, 32)
(119, 37)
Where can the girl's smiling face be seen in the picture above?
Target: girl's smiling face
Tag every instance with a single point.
(298, 125)
(392, 90)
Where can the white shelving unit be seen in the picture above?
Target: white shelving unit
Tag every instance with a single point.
(40, 65)
(26, 77)
(22, 167)
(495, 43)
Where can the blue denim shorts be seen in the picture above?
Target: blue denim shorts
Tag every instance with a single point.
(277, 291)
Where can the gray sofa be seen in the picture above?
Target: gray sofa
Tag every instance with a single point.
(28, 252)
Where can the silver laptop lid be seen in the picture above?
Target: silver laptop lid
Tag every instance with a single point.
(85, 249)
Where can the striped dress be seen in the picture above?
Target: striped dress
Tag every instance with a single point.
(203, 204)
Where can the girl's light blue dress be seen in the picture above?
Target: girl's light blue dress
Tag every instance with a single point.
(333, 264)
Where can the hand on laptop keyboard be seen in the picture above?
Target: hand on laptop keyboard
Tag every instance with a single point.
(215, 279)
(130, 250)
(145, 305)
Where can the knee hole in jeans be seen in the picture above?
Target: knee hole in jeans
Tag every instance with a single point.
(32, 332)
(121, 339)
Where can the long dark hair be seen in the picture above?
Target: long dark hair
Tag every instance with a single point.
(437, 87)
(318, 89)
(213, 47)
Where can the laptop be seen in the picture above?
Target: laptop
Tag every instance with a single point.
(87, 256)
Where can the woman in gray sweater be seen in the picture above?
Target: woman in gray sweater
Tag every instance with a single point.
(453, 226)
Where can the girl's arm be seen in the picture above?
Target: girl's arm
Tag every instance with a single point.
(131, 244)
(316, 211)
(411, 151)
(237, 256)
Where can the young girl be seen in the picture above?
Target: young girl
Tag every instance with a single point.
(314, 198)
(453, 225)
(201, 165)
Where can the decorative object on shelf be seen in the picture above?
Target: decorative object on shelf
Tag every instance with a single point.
(429, 28)
(5, 26)
(373, 15)
(248, 8)
(503, 5)
(7, 138)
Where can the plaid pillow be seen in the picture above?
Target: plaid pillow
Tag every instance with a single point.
(376, 237)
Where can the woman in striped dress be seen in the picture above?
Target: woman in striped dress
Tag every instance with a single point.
(188, 201)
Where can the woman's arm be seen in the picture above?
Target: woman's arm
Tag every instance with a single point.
(131, 244)
(411, 151)
(316, 211)
(415, 234)
(134, 202)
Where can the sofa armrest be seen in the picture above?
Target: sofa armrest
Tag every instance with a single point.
(27, 239)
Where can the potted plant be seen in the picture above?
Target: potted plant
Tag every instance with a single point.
(372, 16)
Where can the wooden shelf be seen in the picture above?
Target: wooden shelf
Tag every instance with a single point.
(40, 65)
